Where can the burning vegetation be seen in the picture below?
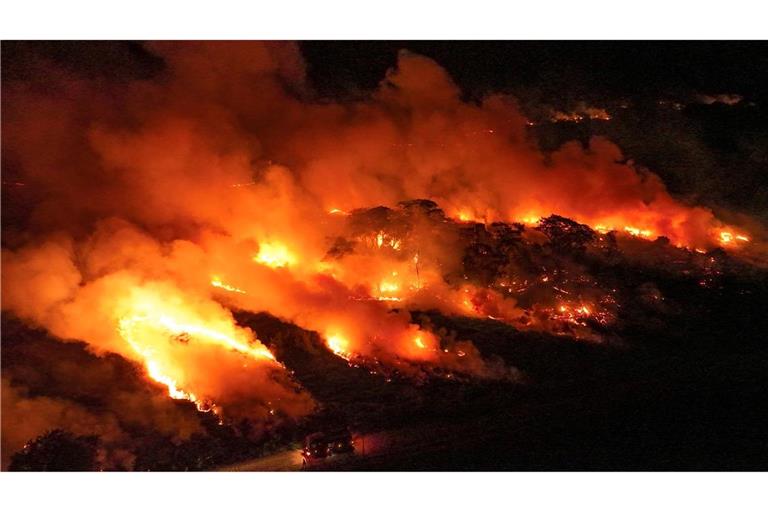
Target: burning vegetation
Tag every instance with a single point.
(162, 205)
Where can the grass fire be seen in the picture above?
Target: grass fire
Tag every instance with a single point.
(214, 259)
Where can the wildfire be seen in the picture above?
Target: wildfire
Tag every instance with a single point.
(576, 315)
(154, 371)
(598, 113)
(584, 112)
(160, 330)
(348, 259)
(465, 216)
(338, 345)
(216, 282)
(156, 374)
(387, 288)
(383, 239)
(531, 220)
(274, 255)
(572, 117)
(600, 228)
(726, 237)
(642, 233)
(583, 310)
(723, 238)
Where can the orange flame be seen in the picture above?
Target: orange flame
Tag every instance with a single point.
(274, 255)
(152, 328)
(338, 345)
(216, 282)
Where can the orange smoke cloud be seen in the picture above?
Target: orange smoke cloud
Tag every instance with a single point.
(157, 201)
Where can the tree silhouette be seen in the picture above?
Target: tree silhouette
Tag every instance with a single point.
(57, 450)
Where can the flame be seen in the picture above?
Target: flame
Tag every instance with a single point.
(567, 117)
(583, 112)
(156, 374)
(642, 233)
(729, 238)
(338, 345)
(600, 228)
(154, 371)
(531, 220)
(465, 216)
(383, 239)
(388, 286)
(159, 330)
(216, 282)
(274, 255)
(361, 292)
(172, 327)
(577, 314)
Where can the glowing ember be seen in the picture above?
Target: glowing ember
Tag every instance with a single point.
(566, 117)
(577, 315)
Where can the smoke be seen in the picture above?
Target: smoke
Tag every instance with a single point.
(128, 297)
(222, 169)
(48, 385)
(166, 152)
(25, 418)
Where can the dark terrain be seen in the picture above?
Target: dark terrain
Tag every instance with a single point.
(682, 389)
(687, 395)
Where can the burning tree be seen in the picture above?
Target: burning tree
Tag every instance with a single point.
(566, 235)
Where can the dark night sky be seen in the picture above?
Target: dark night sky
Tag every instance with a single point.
(557, 68)
(714, 154)
(568, 68)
